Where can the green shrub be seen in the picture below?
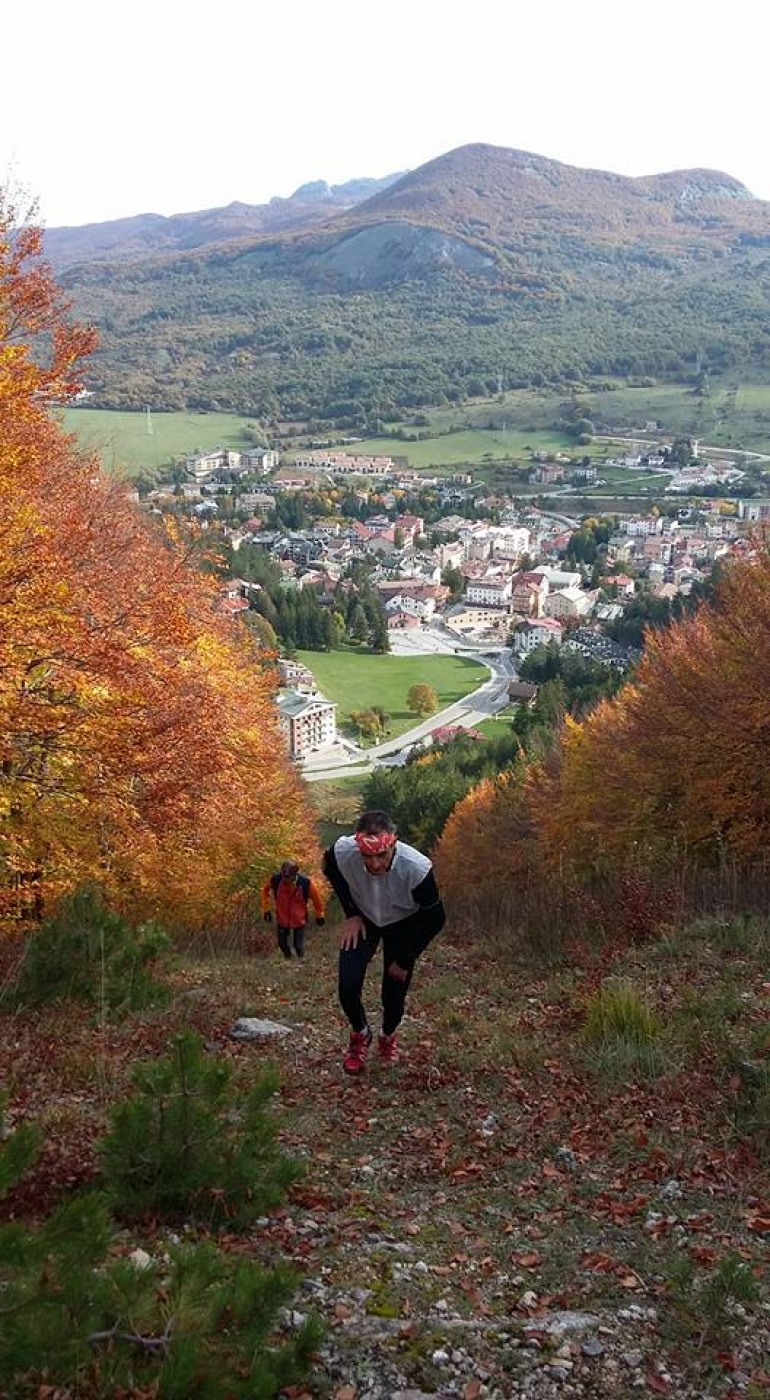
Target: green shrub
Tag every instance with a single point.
(194, 1323)
(737, 933)
(752, 1105)
(189, 1143)
(18, 1150)
(80, 1318)
(88, 953)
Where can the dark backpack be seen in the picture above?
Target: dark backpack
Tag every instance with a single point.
(302, 881)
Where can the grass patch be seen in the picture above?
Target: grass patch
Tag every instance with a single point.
(125, 446)
(623, 1033)
(356, 681)
(337, 803)
(500, 726)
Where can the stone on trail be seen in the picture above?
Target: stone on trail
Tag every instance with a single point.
(252, 1028)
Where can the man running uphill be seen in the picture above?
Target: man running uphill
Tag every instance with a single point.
(389, 895)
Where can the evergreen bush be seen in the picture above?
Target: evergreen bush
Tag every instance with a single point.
(83, 1319)
(195, 1323)
(190, 1143)
(88, 953)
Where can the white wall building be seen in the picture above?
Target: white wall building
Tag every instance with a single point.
(536, 632)
(570, 602)
(494, 591)
(309, 722)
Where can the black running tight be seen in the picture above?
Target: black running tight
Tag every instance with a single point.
(352, 972)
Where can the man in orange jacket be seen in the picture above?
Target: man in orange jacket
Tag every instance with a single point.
(291, 892)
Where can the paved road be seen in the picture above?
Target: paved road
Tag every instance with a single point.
(481, 704)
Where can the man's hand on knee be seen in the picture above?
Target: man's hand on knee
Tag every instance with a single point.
(353, 930)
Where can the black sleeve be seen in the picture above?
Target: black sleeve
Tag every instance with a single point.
(432, 916)
(338, 883)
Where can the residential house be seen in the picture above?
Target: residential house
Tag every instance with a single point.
(451, 555)
(493, 590)
(260, 459)
(464, 617)
(203, 465)
(383, 543)
(522, 693)
(294, 674)
(569, 603)
(509, 541)
(560, 578)
(420, 607)
(401, 621)
(536, 632)
(344, 464)
(529, 594)
(411, 526)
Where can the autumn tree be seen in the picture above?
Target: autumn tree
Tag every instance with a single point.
(663, 787)
(422, 699)
(138, 740)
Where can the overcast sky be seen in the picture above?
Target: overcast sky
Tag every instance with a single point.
(167, 106)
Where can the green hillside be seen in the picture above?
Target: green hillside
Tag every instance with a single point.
(485, 268)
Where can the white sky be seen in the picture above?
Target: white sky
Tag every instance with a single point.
(168, 106)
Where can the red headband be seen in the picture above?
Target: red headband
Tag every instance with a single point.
(374, 843)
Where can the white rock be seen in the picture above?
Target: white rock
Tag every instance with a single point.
(252, 1028)
(141, 1259)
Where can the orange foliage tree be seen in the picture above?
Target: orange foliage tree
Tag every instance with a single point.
(139, 742)
(667, 781)
(674, 770)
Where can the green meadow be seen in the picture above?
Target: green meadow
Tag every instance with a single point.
(479, 433)
(356, 681)
(472, 447)
(133, 444)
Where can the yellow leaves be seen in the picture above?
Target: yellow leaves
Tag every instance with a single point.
(139, 741)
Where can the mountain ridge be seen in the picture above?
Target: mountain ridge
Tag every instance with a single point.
(483, 264)
(142, 235)
(428, 190)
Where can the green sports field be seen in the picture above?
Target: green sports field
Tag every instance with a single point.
(358, 681)
(134, 443)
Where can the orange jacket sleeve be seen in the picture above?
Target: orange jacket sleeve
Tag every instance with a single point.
(267, 895)
(316, 899)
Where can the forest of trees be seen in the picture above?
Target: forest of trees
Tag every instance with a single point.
(300, 620)
(139, 745)
(253, 332)
(659, 791)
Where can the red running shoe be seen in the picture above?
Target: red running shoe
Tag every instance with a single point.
(387, 1046)
(355, 1060)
